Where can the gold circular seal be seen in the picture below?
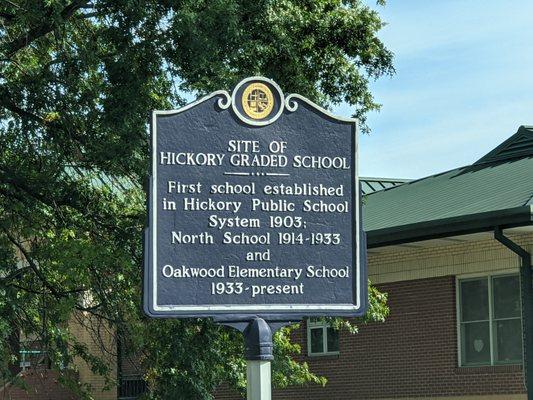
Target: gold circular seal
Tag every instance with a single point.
(257, 100)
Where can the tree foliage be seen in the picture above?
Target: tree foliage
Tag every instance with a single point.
(77, 80)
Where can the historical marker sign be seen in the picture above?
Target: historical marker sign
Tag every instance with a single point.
(254, 209)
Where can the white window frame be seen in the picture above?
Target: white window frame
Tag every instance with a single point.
(324, 326)
(489, 277)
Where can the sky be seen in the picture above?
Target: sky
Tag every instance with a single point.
(463, 84)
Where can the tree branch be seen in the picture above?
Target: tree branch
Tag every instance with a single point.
(91, 15)
(32, 265)
(46, 27)
(14, 275)
(8, 103)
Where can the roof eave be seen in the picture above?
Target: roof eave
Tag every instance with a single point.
(455, 226)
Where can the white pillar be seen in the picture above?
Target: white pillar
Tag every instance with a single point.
(259, 385)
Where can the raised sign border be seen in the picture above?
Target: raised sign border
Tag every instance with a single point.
(238, 312)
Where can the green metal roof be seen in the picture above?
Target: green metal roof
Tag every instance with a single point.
(518, 145)
(501, 180)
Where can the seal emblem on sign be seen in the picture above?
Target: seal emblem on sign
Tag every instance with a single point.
(257, 100)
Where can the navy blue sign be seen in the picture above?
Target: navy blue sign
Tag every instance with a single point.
(254, 209)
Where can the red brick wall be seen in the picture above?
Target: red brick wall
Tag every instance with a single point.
(41, 384)
(412, 354)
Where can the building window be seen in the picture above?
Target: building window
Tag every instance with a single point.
(489, 328)
(322, 339)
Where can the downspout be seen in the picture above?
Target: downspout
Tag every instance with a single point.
(526, 289)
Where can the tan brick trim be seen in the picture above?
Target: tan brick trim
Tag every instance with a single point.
(483, 256)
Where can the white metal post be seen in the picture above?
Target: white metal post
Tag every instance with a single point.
(259, 380)
(258, 354)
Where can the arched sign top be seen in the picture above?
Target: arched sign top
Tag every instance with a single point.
(258, 101)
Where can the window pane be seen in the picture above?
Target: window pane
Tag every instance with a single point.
(333, 340)
(317, 340)
(508, 340)
(474, 300)
(506, 301)
(475, 343)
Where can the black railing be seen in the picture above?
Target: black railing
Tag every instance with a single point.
(131, 387)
